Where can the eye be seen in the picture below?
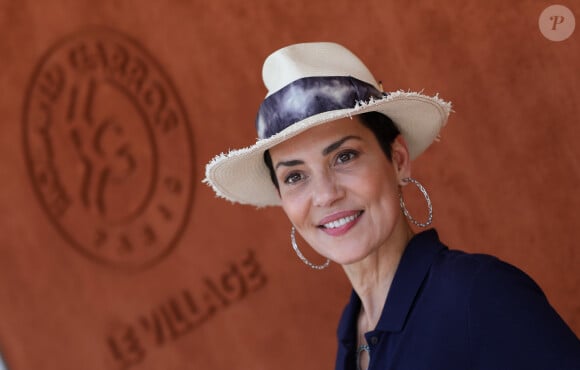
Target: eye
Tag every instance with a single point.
(346, 156)
(293, 178)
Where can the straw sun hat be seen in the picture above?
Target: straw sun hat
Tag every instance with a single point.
(310, 84)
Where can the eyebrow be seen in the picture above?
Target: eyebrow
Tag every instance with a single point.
(332, 147)
(329, 149)
(289, 163)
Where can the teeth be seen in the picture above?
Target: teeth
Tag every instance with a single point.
(341, 222)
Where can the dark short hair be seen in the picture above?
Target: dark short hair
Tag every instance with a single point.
(382, 127)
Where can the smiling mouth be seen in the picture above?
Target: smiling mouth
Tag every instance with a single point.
(341, 221)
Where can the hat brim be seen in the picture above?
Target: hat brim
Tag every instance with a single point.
(242, 176)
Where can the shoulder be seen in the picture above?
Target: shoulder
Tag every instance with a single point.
(497, 282)
(455, 273)
(510, 320)
(500, 313)
(469, 272)
(486, 281)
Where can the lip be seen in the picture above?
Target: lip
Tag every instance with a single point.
(341, 230)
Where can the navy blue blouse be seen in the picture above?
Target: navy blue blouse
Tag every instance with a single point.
(450, 310)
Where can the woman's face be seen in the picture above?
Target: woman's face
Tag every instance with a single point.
(339, 189)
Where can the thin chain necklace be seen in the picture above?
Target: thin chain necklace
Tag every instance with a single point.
(362, 348)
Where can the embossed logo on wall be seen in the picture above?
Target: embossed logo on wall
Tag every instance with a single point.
(109, 148)
(131, 342)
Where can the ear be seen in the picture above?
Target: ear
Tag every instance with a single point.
(401, 159)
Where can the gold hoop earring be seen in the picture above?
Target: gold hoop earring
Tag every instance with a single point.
(427, 199)
(301, 256)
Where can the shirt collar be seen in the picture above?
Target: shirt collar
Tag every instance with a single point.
(412, 270)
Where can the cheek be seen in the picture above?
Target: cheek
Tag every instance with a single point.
(388, 199)
(382, 190)
(296, 209)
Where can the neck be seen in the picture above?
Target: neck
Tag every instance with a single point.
(371, 277)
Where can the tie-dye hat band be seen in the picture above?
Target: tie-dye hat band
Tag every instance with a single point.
(310, 96)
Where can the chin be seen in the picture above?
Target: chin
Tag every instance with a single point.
(343, 252)
(349, 259)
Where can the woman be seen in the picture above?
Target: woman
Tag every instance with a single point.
(334, 152)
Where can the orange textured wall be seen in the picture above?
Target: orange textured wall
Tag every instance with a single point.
(113, 255)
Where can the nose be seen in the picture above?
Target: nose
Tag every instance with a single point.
(326, 190)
